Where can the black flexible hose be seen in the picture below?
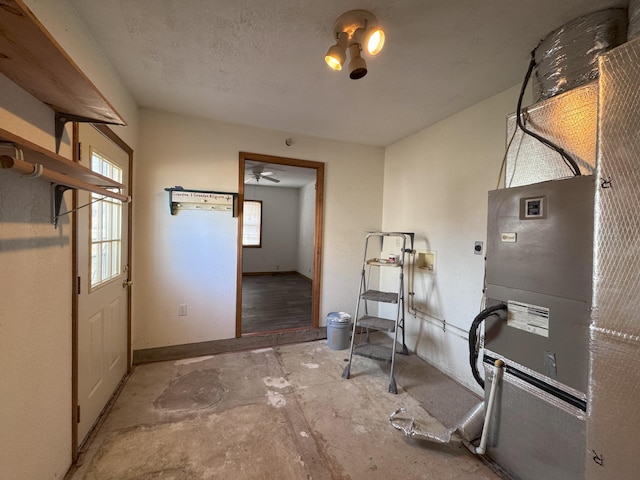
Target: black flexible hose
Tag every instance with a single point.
(473, 338)
(565, 156)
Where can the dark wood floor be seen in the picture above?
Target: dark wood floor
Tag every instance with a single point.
(275, 302)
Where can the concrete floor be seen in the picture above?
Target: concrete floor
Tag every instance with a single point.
(276, 413)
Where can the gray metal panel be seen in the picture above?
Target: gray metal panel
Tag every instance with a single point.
(531, 437)
(613, 423)
(568, 339)
(551, 255)
(568, 120)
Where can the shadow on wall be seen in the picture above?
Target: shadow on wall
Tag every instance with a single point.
(424, 298)
(28, 201)
(16, 244)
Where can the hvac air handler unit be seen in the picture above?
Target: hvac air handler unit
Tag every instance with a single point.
(539, 264)
(563, 256)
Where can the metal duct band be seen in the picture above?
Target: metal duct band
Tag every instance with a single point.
(548, 386)
(568, 56)
(634, 20)
(535, 435)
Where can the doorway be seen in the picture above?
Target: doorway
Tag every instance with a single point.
(102, 311)
(279, 257)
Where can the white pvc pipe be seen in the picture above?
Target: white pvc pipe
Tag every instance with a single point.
(480, 449)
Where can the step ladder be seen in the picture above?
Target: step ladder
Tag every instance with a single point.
(398, 251)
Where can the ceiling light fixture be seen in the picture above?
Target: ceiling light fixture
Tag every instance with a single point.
(337, 55)
(354, 30)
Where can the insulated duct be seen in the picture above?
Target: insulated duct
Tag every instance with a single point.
(468, 428)
(613, 424)
(568, 56)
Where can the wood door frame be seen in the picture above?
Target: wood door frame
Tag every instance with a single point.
(111, 135)
(318, 224)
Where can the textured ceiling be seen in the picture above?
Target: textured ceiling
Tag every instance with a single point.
(288, 176)
(260, 63)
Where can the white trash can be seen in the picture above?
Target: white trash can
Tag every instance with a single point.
(338, 330)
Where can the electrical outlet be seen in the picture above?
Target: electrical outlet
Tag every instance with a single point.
(182, 310)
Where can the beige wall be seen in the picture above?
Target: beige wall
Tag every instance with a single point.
(280, 226)
(203, 154)
(36, 276)
(35, 333)
(305, 235)
(436, 184)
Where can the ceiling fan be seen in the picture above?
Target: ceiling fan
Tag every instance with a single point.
(258, 173)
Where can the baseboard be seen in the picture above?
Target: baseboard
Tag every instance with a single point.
(304, 277)
(249, 342)
(257, 274)
(292, 272)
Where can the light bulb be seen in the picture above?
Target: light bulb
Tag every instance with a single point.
(336, 54)
(333, 62)
(375, 42)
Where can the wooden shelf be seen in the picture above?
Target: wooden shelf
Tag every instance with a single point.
(35, 154)
(381, 262)
(32, 58)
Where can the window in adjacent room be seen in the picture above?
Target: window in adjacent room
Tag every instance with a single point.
(252, 224)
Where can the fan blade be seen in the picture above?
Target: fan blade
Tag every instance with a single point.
(275, 180)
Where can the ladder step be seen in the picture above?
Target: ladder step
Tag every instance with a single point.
(377, 296)
(377, 323)
(375, 352)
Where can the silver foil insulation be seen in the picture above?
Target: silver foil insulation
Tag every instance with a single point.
(634, 20)
(613, 422)
(568, 56)
(569, 121)
(468, 428)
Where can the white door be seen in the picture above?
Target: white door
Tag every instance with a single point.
(103, 270)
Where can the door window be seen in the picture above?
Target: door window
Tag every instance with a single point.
(106, 226)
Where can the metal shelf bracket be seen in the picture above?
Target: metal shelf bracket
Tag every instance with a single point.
(61, 120)
(57, 193)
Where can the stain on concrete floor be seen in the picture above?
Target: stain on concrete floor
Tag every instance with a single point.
(195, 390)
(245, 442)
(268, 415)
